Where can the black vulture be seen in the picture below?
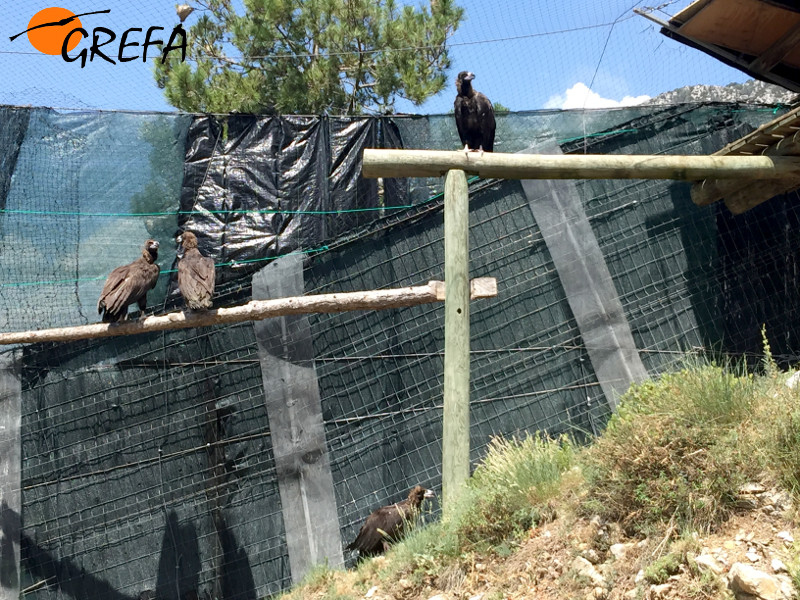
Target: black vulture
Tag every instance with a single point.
(128, 284)
(195, 274)
(474, 116)
(387, 524)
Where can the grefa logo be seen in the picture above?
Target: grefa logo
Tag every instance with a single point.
(57, 30)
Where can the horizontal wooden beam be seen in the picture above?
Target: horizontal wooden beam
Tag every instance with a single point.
(256, 310)
(751, 195)
(742, 197)
(779, 50)
(739, 196)
(433, 163)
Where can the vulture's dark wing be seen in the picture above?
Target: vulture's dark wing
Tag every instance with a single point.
(196, 276)
(126, 285)
(115, 293)
(385, 524)
(486, 121)
(461, 119)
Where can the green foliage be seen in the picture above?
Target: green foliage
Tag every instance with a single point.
(660, 570)
(509, 491)
(706, 585)
(770, 366)
(507, 494)
(793, 565)
(783, 445)
(334, 56)
(701, 394)
(674, 451)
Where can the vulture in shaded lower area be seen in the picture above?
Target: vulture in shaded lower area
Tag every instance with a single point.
(128, 284)
(474, 116)
(387, 524)
(195, 274)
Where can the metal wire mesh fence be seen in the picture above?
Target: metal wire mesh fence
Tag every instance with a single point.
(148, 466)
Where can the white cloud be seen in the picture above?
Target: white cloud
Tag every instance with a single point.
(580, 96)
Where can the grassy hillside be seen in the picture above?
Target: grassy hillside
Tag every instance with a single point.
(698, 472)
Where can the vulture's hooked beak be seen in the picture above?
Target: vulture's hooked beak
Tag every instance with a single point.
(180, 252)
(470, 76)
(429, 494)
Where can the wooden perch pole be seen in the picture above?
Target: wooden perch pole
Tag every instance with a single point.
(432, 163)
(485, 287)
(455, 419)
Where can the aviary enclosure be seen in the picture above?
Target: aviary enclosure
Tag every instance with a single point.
(157, 465)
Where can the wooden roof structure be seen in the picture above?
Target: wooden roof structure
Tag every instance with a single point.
(761, 38)
(779, 137)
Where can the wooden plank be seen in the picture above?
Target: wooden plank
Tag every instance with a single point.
(297, 431)
(758, 192)
(433, 163)
(789, 121)
(746, 26)
(10, 475)
(590, 290)
(743, 196)
(779, 50)
(483, 287)
(676, 32)
(252, 311)
(455, 425)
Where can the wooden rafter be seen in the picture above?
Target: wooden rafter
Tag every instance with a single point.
(778, 138)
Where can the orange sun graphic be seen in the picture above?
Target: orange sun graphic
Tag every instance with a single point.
(49, 40)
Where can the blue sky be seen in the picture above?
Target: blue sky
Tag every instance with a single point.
(526, 54)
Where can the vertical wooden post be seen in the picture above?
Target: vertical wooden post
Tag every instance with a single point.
(455, 435)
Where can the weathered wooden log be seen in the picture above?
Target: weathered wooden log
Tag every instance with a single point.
(432, 163)
(455, 417)
(254, 311)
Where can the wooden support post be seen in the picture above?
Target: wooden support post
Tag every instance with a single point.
(10, 475)
(434, 163)
(455, 435)
(252, 311)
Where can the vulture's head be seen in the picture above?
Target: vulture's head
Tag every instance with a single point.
(463, 81)
(150, 250)
(418, 494)
(188, 240)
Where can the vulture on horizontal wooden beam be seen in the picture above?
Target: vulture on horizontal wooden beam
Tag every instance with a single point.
(196, 274)
(389, 524)
(474, 116)
(128, 284)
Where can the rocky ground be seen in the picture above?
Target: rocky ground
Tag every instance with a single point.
(587, 559)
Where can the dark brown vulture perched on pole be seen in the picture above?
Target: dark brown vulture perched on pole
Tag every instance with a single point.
(128, 284)
(387, 524)
(474, 116)
(195, 274)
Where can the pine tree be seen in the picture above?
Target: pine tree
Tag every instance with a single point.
(311, 56)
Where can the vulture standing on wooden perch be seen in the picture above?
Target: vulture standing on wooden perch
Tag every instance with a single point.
(474, 116)
(388, 524)
(195, 274)
(128, 284)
